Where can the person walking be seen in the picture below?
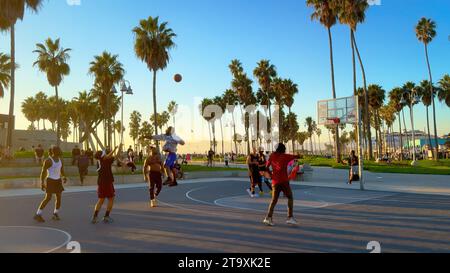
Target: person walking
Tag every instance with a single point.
(279, 161)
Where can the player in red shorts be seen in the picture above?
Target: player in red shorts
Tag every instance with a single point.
(105, 183)
(280, 182)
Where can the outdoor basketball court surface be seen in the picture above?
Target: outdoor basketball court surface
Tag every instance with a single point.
(217, 216)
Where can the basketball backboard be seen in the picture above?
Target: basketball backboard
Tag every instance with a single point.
(342, 110)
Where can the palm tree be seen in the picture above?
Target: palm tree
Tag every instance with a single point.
(107, 71)
(425, 32)
(52, 60)
(395, 96)
(326, 13)
(377, 95)
(42, 100)
(351, 13)
(88, 114)
(152, 45)
(29, 109)
(291, 89)
(425, 94)
(135, 122)
(173, 108)
(219, 101)
(10, 12)
(319, 133)
(242, 86)
(309, 124)
(265, 72)
(444, 90)
(5, 73)
(230, 98)
(210, 120)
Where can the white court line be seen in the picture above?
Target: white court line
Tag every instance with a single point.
(69, 237)
(216, 202)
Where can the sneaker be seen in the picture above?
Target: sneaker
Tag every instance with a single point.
(291, 221)
(107, 220)
(39, 219)
(250, 193)
(94, 220)
(268, 222)
(153, 203)
(56, 217)
(261, 193)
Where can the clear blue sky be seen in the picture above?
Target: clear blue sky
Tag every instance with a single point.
(213, 32)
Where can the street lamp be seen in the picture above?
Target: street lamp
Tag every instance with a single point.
(125, 88)
(413, 99)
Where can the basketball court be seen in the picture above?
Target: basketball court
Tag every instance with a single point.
(217, 216)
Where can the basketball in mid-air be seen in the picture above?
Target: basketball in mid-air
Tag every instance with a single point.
(178, 78)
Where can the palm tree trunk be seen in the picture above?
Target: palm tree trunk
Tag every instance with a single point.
(333, 87)
(436, 156)
(428, 129)
(366, 99)
(223, 141)
(234, 135)
(405, 129)
(58, 130)
(11, 122)
(155, 110)
(401, 136)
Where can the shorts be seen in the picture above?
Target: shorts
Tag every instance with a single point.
(54, 186)
(171, 160)
(106, 190)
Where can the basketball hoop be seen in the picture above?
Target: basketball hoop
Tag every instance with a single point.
(334, 120)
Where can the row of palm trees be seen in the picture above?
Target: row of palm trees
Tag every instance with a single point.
(152, 45)
(273, 90)
(352, 13)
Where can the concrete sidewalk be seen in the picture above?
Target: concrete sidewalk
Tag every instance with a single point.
(388, 182)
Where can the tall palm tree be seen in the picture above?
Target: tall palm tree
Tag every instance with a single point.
(210, 120)
(219, 101)
(377, 95)
(5, 73)
(426, 100)
(395, 97)
(52, 60)
(444, 90)
(326, 13)
(309, 124)
(231, 99)
(352, 13)
(291, 89)
(10, 12)
(108, 71)
(153, 42)
(425, 32)
(135, 123)
(242, 86)
(265, 72)
(173, 108)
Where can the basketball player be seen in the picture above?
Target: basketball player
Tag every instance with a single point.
(52, 179)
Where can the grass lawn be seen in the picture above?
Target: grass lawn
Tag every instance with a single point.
(424, 167)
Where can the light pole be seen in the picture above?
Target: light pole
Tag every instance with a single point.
(413, 99)
(125, 88)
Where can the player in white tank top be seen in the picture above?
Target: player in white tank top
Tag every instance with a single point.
(52, 179)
